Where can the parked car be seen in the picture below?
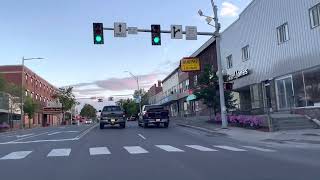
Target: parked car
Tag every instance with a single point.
(155, 115)
(112, 115)
(88, 121)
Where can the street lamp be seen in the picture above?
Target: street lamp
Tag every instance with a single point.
(22, 87)
(139, 93)
(220, 74)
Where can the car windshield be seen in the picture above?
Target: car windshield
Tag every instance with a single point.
(112, 108)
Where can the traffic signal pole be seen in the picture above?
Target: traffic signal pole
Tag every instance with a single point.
(220, 74)
(165, 31)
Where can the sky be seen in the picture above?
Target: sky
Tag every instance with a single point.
(61, 32)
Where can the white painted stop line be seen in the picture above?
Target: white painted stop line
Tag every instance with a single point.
(230, 148)
(16, 155)
(169, 148)
(259, 149)
(200, 148)
(99, 151)
(135, 149)
(59, 152)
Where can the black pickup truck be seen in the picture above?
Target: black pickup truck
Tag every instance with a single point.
(155, 115)
(112, 115)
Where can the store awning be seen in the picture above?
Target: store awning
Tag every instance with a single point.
(191, 97)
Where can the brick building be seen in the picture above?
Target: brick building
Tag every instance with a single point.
(153, 91)
(35, 87)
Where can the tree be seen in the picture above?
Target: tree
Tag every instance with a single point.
(30, 107)
(88, 111)
(208, 91)
(129, 105)
(144, 96)
(66, 98)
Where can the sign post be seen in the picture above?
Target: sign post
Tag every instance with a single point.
(191, 33)
(190, 64)
(120, 29)
(176, 31)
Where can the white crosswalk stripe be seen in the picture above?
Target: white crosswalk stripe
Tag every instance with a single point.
(169, 148)
(200, 148)
(135, 149)
(99, 151)
(230, 148)
(16, 155)
(59, 152)
(259, 149)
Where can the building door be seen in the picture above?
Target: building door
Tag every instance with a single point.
(285, 94)
(267, 96)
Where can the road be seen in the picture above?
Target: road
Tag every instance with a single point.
(86, 152)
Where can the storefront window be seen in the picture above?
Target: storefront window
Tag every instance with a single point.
(298, 87)
(312, 86)
(255, 101)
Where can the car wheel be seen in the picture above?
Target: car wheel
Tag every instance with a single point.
(166, 125)
(101, 126)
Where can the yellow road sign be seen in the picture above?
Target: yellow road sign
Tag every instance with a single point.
(190, 64)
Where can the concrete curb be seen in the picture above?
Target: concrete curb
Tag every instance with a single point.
(200, 128)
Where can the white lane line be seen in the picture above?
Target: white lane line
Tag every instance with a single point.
(142, 136)
(59, 152)
(200, 148)
(37, 141)
(99, 151)
(25, 135)
(29, 137)
(135, 149)
(169, 148)
(230, 148)
(86, 131)
(16, 155)
(259, 149)
(53, 133)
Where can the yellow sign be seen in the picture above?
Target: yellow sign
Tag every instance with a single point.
(190, 64)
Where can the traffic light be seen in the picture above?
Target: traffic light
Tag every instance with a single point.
(156, 35)
(98, 33)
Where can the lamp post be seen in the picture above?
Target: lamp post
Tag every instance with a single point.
(139, 93)
(22, 87)
(220, 75)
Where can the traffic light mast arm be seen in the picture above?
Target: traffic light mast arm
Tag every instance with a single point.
(165, 32)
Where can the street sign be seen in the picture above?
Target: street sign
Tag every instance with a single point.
(120, 29)
(190, 64)
(176, 31)
(132, 30)
(191, 32)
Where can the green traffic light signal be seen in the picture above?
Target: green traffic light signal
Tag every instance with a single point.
(98, 33)
(98, 38)
(156, 40)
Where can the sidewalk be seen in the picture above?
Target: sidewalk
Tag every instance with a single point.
(296, 137)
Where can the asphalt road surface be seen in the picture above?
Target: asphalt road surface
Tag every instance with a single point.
(86, 152)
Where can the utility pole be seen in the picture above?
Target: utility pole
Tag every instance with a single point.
(137, 79)
(220, 74)
(217, 37)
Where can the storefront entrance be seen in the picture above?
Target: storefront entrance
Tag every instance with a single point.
(284, 92)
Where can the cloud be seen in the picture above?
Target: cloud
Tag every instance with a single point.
(115, 85)
(229, 10)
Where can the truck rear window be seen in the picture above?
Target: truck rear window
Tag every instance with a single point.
(111, 108)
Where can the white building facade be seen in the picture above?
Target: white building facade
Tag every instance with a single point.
(272, 54)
